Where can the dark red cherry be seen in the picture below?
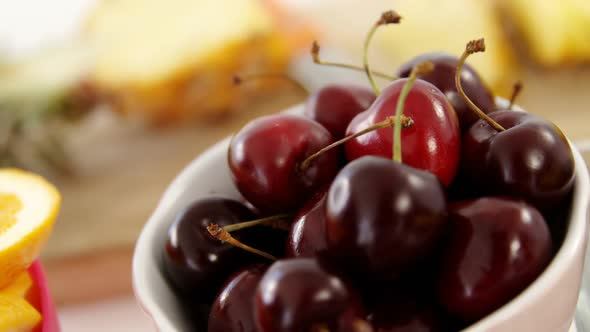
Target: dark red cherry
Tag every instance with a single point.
(406, 304)
(334, 106)
(265, 158)
(196, 263)
(443, 77)
(301, 294)
(432, 143)
(496, 248)
(307, 236)
(383, 217)
(232, 309)
(531, 159)
(406, 313)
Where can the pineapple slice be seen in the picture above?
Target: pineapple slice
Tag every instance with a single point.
(16, 314)
(144, 42)
(20, 286)
(172, 60)
(556, 32)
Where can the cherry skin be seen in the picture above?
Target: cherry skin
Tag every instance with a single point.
(443, 77)
(496, 248)
(307, 236)
(301, 294)
(265, 157)
(405, 314)
(383, 217)
(432, 143)
(232, 309)
(334, 106)
(195, 262)
(531, 159)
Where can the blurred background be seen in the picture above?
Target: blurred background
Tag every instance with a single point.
(110, 99)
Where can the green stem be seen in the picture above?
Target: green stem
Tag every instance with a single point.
(366, 60)
(240, 79)
(276, 221)
(223, 235)
(388, 17)
(406, 122)
(516, 89)
(418, 70)
(473, 46)
(315, 53)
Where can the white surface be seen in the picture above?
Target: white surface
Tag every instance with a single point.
(116, 315)
(210, 173)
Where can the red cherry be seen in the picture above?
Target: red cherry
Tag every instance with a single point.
(531, 159)
(405, 314)
(516, 153)
(307, 236)
(432, 143)
(265, 160)
(195, 263)
(232, 309)
(334, 106)
(302, 294)
(383, 217)
(496, 248)
(443, 77)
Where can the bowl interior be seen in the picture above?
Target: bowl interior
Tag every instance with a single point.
(209, 175)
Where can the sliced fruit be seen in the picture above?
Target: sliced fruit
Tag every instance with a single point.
(16, 314)
(20, 286)
(28, 208)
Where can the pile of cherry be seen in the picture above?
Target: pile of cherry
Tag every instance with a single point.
(421, 207)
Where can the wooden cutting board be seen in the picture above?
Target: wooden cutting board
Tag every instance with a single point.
(123, 174)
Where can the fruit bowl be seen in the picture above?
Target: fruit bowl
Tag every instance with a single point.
(548, 304)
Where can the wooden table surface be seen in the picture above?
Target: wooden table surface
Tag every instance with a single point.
(123, 175)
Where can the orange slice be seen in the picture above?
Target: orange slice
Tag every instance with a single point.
(28, 208)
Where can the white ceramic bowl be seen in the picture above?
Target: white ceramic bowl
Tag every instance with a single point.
(547, 305)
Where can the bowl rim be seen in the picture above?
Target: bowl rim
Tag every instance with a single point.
(574, 241)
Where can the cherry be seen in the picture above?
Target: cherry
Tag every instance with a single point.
(382, 216)
(432, 143)
(443, 77)
(407, 304)
(265, 160)
(232, 309)
(195, 262)
(530, 159)
(302, 294)
(307, 236)
(406, 313)
(334, 106)
(496, 248)
(517, 153)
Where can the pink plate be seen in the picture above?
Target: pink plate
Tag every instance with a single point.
(42, 300)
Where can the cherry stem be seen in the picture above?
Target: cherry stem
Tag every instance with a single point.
(315, 53)
(418, 70)
(276, 221)
(223, 235)
(390, 121)
(238, 80)
(516, 89)
(473, 46)
(388, 17)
